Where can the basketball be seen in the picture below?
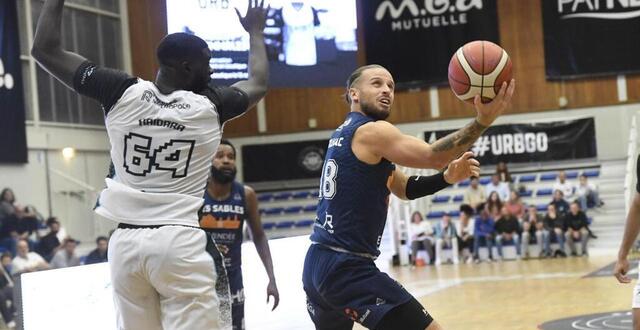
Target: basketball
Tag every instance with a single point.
(479, 67)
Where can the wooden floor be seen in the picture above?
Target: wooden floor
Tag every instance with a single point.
(509, 295)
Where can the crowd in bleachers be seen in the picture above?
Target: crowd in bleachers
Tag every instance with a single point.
(492, 216)
(28, 243)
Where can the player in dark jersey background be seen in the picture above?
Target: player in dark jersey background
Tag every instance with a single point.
(227, 205)
(631, 230)
(342, 283)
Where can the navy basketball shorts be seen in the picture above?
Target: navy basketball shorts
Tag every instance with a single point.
(237, 298)
(343, 288)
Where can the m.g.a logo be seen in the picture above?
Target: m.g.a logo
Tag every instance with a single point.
(599, 9)
(435, 13)
(6, 79)
(311, 158)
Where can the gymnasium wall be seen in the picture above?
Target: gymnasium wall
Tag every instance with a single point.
(289, 110)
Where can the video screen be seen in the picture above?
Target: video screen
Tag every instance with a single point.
(310, 43)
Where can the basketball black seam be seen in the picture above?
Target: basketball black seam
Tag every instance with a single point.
(467, 84)
(482, 76)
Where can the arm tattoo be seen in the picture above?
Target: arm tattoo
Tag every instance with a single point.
(460, 139)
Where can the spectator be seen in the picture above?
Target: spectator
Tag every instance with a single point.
(563, 185)
(25, 261)
(66, 257)
(7, 306)
(515, 206)
(533, 224)
(494, 205)
(16, 222)
(587, 194)
(555, 223)
(474, 195)
(446, 237)
(483, 232)
(507, 229)
(503, 173)
(50, 243)
(577, 229)
(502, 188)
(465, 232)
(562, 207)
(100, 253)
(421, 237)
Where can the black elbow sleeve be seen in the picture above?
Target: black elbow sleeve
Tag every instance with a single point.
(420, 186)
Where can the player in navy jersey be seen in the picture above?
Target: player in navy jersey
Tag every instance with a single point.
(342, 283)
(631, 230)
(227, 205)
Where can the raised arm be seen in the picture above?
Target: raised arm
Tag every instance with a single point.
(47, 45)
(254, 22)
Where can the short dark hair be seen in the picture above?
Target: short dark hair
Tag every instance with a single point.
(52, 220)
(355, 75)
(101, 238)
(466, 209)
(179, 47)
(4, 191)
(228, 143)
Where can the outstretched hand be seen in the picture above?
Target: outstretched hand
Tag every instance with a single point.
(462, 168)
(487, 113)
(620, 271)
(255, 19)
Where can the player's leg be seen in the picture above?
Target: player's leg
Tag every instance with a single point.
(584, 239)
(137, 302)
(188, 272)
(237, 298)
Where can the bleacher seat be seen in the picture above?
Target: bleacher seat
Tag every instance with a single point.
(441, 199)
(572, 175)
(311, 208)
(541, 207)
(273, 210)
(304, 223)
(544, 192)
(268, 225)
(293, 209)
(548, 176)
(262, 211)
(265, 197)
(589, 220)
(282, 196)
(458, 198)
(435, 214)
(527, 178)
(454, 213)
(464, 183)
(284, 224)
(485, 180)
(592, 173)
(300, 195)
(526, 193)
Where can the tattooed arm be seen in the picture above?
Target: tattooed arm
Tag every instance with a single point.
(376, 140)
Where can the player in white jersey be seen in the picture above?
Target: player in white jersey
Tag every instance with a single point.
(166, 273)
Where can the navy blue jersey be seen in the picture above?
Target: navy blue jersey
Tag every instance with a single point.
(224, 221)
(354, 196)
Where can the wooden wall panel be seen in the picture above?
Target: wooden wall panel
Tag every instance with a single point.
(633, 87)
(245, 125)
(147, 26)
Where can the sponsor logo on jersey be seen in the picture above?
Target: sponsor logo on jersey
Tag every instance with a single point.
(223, 208)
(211, 222)
(150, 96)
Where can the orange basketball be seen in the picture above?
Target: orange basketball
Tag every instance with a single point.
(479, 67)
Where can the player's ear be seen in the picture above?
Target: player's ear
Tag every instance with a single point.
(354, 95)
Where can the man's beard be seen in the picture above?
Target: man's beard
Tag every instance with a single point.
(373, 111)
(223, 176)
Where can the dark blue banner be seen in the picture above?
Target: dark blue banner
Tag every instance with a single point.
(13, 140)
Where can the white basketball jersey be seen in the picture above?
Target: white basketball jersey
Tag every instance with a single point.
(161, 149)
(299, 35)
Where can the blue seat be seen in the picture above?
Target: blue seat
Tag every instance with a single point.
(528, 178)
(548, 176)
(262, 211)
(435, 214)
(541, 207)
(310, 208)
(265, 197)
(592, 173)
(441, 199)
(282, 196)
(458, 198)
(268, 225)
(589, 220)
(293, 209)
(544, 192)
(572, 175)
(464, 183)
(274, 210)
(485, 180)
(526, 193)
(454, 213)
(83, 259)
(300, 195)
(304, 223)
(284, 224)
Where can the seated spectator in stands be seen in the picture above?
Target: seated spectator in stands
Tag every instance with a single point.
(421, 237)
(577, 229)
(483, 232)
(555, 223)
(503, 173)
(587, 194)
(6, 259)
(25, 261)
(562, 207)
(100, 253)
(50, 243)
(66, 257)
(465, 232)
(532, 224)
(563, 185)
(494, 205)
(16, 222)
(474, 195)
(502, 188)
(446, 237)
(515, 206)
(507, 230)
(7, 307)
